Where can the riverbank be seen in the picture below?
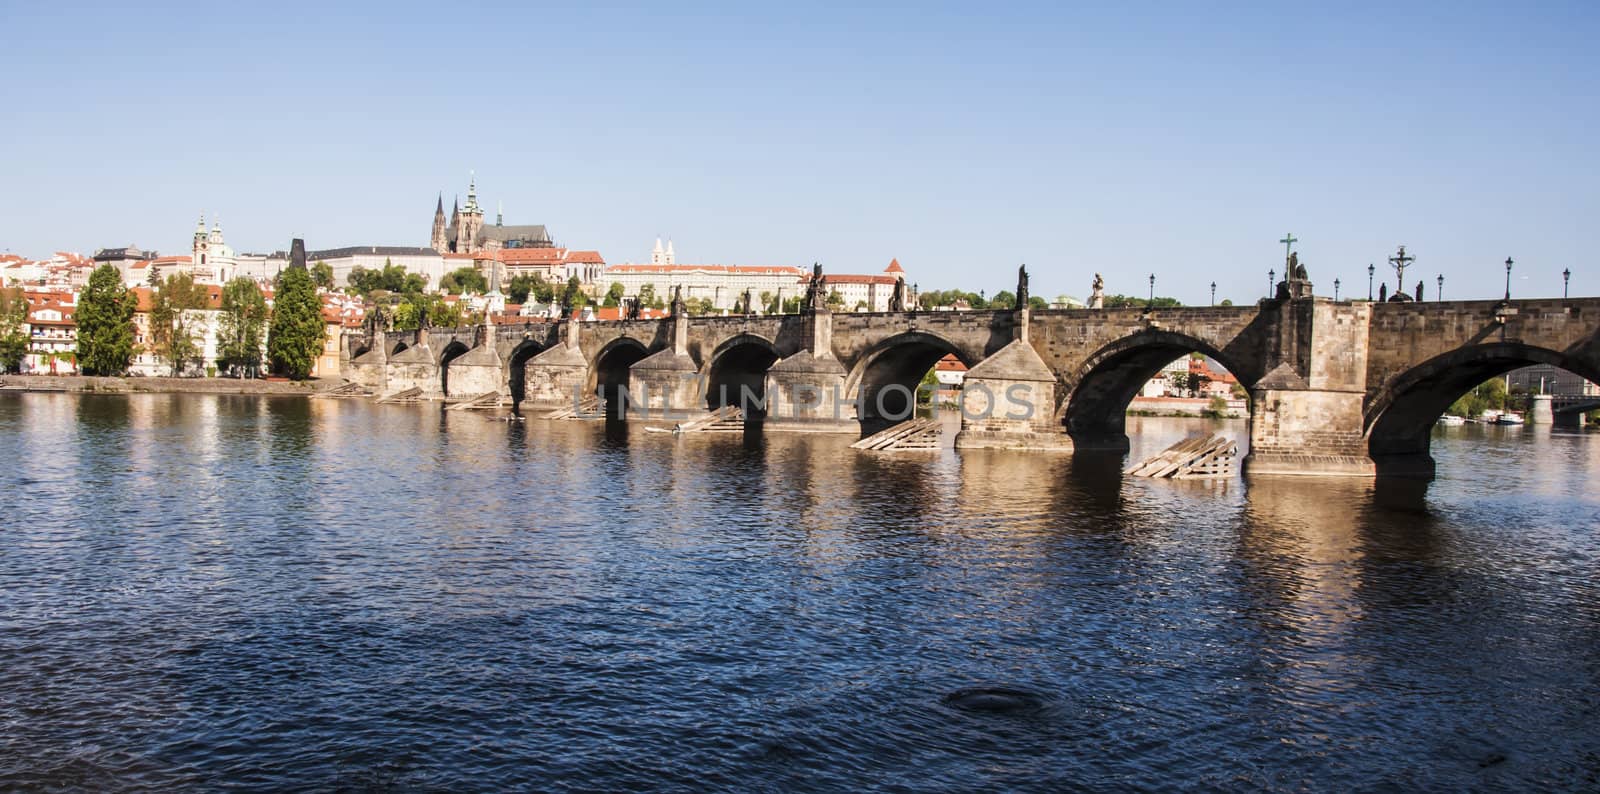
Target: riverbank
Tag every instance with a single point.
(83, 384)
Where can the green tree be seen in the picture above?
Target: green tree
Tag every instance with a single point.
(1036, 303)
(572, 296)
(407, 317)
(296, 335)
(105, 324)
(1217, 408)
(174, 323)
(241, 328)
(528, 285)
(1003, 300)
(322, 275)
(649, 299)
(464, 280)
(391, 278)
(13, 340)
(614, 295)
(835, 300)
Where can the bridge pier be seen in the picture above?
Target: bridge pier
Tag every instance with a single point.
(1306, 411)
(1541, 409)
(806, 391)
(666, 385)
(414, 367)
(556, 378)
(1008, 400)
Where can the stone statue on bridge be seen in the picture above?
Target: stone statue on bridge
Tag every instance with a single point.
(633, 307)
(897, 300)
(1097, 294)
(1022, 287)
(817, 289)
(1419, 292)
(1296, 270)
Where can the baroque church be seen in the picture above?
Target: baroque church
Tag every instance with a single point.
(466, 233)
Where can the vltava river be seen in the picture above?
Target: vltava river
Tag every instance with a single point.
(269, 593)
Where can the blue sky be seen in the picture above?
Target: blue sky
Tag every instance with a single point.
(1176, 139)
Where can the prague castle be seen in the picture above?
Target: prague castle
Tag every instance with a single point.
(466, 233)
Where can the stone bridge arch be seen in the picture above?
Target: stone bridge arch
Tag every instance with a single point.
(1100, 388)
(1399, 416)
(452, 350)
(883, 378)
(735, 372)
(609, 371)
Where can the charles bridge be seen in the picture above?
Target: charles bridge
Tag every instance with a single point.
(1335, 387)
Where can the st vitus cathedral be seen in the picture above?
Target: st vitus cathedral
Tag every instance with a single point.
(465, 233)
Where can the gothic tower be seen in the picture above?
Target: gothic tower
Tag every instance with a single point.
(438, 241)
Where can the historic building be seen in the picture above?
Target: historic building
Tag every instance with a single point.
(465, 232)
(211, 260)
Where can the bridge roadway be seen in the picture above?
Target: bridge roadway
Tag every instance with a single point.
(1335, 387)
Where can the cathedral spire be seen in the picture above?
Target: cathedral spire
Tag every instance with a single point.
(439, 210)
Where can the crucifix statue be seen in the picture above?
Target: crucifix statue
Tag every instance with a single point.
(1288, 245)
(1399, 262)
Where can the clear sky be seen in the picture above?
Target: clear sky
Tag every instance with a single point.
(1181, 140)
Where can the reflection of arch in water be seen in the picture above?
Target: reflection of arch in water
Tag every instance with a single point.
(1096, 410)
(1400, 417)
(517, 369)
(737, 374)
(451, 352)
(886, 376)
(610, 372)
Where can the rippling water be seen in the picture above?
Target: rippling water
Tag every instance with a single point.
(270, 593)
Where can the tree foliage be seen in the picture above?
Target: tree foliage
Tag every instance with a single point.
(296, 336)
(322, 275)
(1489, 395)
(392, 278)
(464, 280)
(572, 296)
(241, 328)
(105, 323)
(13, 340)
(175, 322)
(525, 285)
(649, 299)
(614, 295)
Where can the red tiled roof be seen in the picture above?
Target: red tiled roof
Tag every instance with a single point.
(745, 270)
(850, 278)
(894, 267)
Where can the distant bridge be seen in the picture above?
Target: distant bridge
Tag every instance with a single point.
(1335, 387)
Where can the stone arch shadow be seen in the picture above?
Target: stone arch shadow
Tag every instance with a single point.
(1399, 417)
(1094, 409)
(736, 373)
(883, 382)
(517, 369)
(608, 377)
(450, 353)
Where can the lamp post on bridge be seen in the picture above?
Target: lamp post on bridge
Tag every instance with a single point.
(1336, 290)
(1371, 269)
(1566, 278)
(1152, 302)
(1508, 278)
(1213, 293)
(1272, 278)
(1440, 293)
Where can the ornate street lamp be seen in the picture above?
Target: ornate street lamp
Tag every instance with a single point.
(1336, 290)
(1508, 278)
(1152, 303)
(1440, 294)
(1272, 278)
(1370, 270)
(1213, 293)
(1566, 278)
